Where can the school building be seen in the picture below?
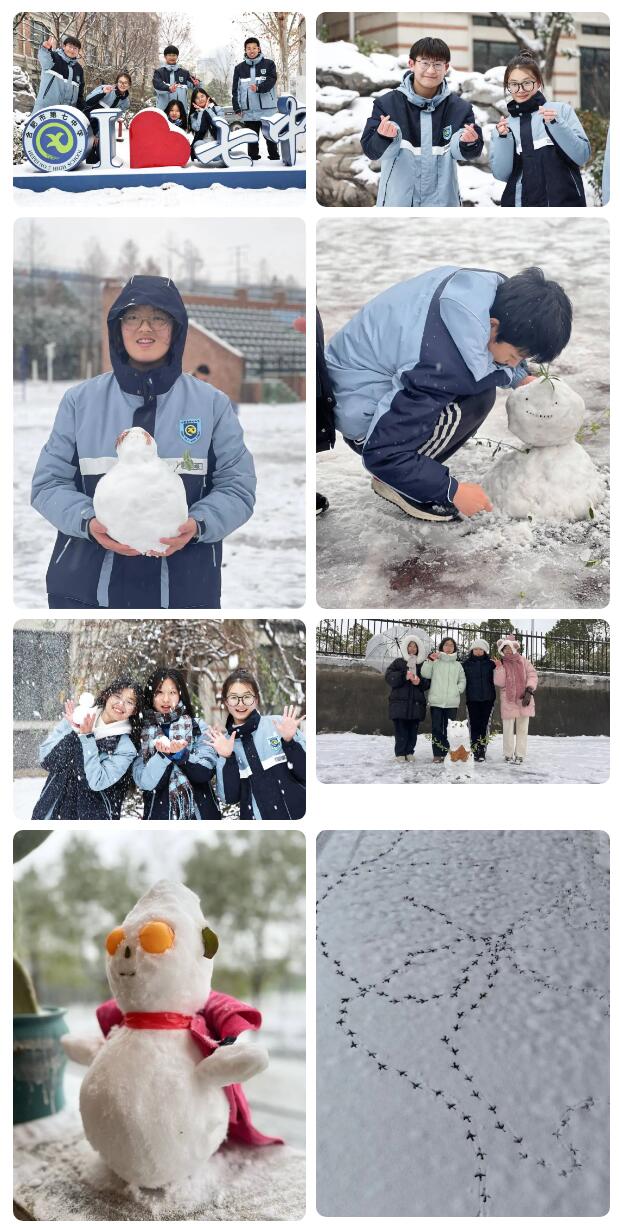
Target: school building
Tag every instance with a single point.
(479, 41)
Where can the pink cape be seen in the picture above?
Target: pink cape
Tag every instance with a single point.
(221, 1017)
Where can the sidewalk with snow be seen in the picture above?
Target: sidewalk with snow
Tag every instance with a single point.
(263, 562)
(462, 1023)
(550, 758)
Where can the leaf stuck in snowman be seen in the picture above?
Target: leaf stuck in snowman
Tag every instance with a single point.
(140, 501)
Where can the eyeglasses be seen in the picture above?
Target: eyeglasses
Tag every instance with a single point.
(516, 86)
(133, 320)
(432, 65)
(247, 699)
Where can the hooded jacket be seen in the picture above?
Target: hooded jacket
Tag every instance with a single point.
(479, 670)
(115, 100)
(447, 681)
(197, 763)
(62, 80)
(512, 683)
(418, 166)
(172, 74)
(88, 775)
(400, 367)
(196, 432)
(265, 774)
(539, 161)
(259, 104)
(406, 700)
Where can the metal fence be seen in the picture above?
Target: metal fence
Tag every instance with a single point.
(575, 655)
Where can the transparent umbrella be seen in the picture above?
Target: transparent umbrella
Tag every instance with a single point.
(391, 644)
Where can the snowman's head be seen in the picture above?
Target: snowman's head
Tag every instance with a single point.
(458, 733)
(136, 446)
(160, 959)
(545, 413)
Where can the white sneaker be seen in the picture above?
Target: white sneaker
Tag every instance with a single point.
(518, 760)
(399, 760)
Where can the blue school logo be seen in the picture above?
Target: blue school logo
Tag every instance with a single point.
(447, 132)
(274, 741)
(190, 430)
(56, 138)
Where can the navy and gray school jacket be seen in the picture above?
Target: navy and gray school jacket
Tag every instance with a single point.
(418, 166)
(196, 432)
(265, 774)
(197, 762)
(202, 125)
(62, 80)
(172, 74)
(479, 671)
(115, 100)
(403, 369)
(539, 161)
(88, 777)
(250, 104)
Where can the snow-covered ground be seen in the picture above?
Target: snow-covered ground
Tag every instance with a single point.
(462, 1031)
(368, 550)
(263, 563)
(550, 758)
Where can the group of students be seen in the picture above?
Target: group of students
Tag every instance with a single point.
(180, 94)
(441, 679)
(151, 737)
(421, 130)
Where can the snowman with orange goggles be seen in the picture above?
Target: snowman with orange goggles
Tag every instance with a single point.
(162, 1091)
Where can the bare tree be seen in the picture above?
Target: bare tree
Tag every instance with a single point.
(176, 28)
(218, 72)
(283, 34)
(540, 34)
(129, 258)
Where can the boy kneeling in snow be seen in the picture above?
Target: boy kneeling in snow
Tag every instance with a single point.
(196, 432)
(415, 373)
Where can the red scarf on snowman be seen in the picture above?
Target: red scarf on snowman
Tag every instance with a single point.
(221, 1017)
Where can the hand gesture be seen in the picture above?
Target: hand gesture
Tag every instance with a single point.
(172, 88)
(387, 128)
(186, 532)
(69, 708)
(99, 534)
(217, 738)
(503, 127)
(433, 656)
(470, 135)
(289, 724)
(413, 677)
(108, 89)
(548, 113)
(470, 498)
(88, 723)
(49, 43)
(253, 88)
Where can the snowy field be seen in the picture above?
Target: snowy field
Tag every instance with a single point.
(550, 758)
(369, 554)
(264, 562)
(462, 1029)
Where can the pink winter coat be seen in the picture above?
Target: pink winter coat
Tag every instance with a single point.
(512, 684)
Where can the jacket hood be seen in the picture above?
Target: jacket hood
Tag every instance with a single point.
(257, 58)
(406, 87)
(162, 293)
(508, 641)
(422, 648)
(480, 644)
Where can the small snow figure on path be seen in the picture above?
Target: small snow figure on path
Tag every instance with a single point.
(140, 500)
(162, 1090)
(554, 479)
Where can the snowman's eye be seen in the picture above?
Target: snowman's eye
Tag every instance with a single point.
(156, 937)
(114, 939)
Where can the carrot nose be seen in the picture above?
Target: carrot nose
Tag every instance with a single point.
(156, 937)
(114, 939)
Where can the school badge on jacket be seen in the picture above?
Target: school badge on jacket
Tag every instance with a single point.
(191, 429)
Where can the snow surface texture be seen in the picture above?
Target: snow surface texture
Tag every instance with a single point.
(369, 554)
(462, 1028)
(264, 562)
(59, 1177)
(347, 85)
(550, 758)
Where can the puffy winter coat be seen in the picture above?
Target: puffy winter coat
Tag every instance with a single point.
(62, 80)
(447, 681)
(197, 763)
(88, 775)
(196, 432)
(406, 700)
(265, 774)
(262, 102)
(479, 671)
(511, 708)
(539, 160)
(418, 165)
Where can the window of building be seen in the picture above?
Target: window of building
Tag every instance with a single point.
(594, 78)
(601, 31)
(486, 19)
(489, 54)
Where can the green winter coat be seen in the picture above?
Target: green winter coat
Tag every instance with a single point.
(447, 681)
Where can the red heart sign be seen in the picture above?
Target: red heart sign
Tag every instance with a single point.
(153, 141)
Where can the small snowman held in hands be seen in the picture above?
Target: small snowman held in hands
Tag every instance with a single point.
(554, 479)
(83, 711)
(140, 500)
(162, 1091)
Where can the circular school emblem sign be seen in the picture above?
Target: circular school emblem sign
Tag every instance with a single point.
(56, 138)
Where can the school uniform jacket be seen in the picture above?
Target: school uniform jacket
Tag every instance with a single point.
(418, 166)
(539, 161)
(262, 102)
(196, 432)
(202, 126)
(197, 762)
(62, 80)
(88, 776)
(400, 367)
(115, 100)
(172, 74)
(265, 774)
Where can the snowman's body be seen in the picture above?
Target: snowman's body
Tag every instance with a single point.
(84, 707)
(459, 761)
(140, 501)
(554, 479)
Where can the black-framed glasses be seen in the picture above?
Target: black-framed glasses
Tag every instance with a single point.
(517, 86)
(435, 65)
(159, 320)
(246, 699)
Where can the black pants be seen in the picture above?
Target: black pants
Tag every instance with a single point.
(479, 718)
(272, 146)
(405, 736)
(439, 728)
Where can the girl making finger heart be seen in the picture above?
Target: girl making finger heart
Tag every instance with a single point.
(261, 760)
